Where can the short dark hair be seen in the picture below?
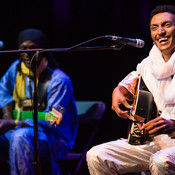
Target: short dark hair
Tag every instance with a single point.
(162, 8)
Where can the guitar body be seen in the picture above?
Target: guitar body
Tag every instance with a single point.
(144, 110)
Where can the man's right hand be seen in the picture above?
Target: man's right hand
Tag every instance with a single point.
(121, 96)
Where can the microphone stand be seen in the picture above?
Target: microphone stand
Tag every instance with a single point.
(35, 95)
(35, 117)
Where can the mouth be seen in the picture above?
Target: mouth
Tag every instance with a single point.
(163, 40)
(27, 62)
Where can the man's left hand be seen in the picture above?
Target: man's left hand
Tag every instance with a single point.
(158, 126)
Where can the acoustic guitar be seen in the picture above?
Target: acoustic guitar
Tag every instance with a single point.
(144, 109)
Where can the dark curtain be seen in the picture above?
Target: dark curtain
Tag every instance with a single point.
(94, 73)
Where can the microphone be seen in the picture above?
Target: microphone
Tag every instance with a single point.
(129, 41)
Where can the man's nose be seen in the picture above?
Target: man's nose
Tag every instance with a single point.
(161, 31)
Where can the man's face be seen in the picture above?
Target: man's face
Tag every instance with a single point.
(162, 29)
(26, 57)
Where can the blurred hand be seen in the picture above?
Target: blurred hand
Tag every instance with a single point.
(6, 124)
(158, 126)
(121, 96)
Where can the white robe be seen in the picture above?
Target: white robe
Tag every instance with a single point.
(158, 156)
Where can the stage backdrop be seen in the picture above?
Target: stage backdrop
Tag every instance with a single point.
(66, 22)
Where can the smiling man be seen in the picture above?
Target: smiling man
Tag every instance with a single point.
(157, 153)
(163, 33)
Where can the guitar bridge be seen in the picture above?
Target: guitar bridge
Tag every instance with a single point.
(136, 135)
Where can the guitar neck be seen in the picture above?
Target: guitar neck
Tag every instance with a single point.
(22, 115)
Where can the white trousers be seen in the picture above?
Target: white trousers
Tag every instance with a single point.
(119, 157)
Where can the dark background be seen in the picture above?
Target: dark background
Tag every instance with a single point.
(94, 74)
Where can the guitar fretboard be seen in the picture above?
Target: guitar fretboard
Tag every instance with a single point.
(22, 115)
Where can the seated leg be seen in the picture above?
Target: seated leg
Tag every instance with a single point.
(119, 157)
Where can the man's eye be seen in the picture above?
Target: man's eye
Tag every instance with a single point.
(168, 25)
(153, 28)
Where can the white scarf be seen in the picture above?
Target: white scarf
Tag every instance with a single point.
(163, 71)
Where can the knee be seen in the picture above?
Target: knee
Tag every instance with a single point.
(19, 137)
(90, 154)
(95, 160)
(159, 163)
(94, 155)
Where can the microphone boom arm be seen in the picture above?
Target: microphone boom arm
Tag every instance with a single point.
(77, 47)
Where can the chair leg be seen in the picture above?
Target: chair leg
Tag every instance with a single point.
(78, 166)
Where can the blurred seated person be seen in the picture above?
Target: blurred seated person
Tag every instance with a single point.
(55, 90)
